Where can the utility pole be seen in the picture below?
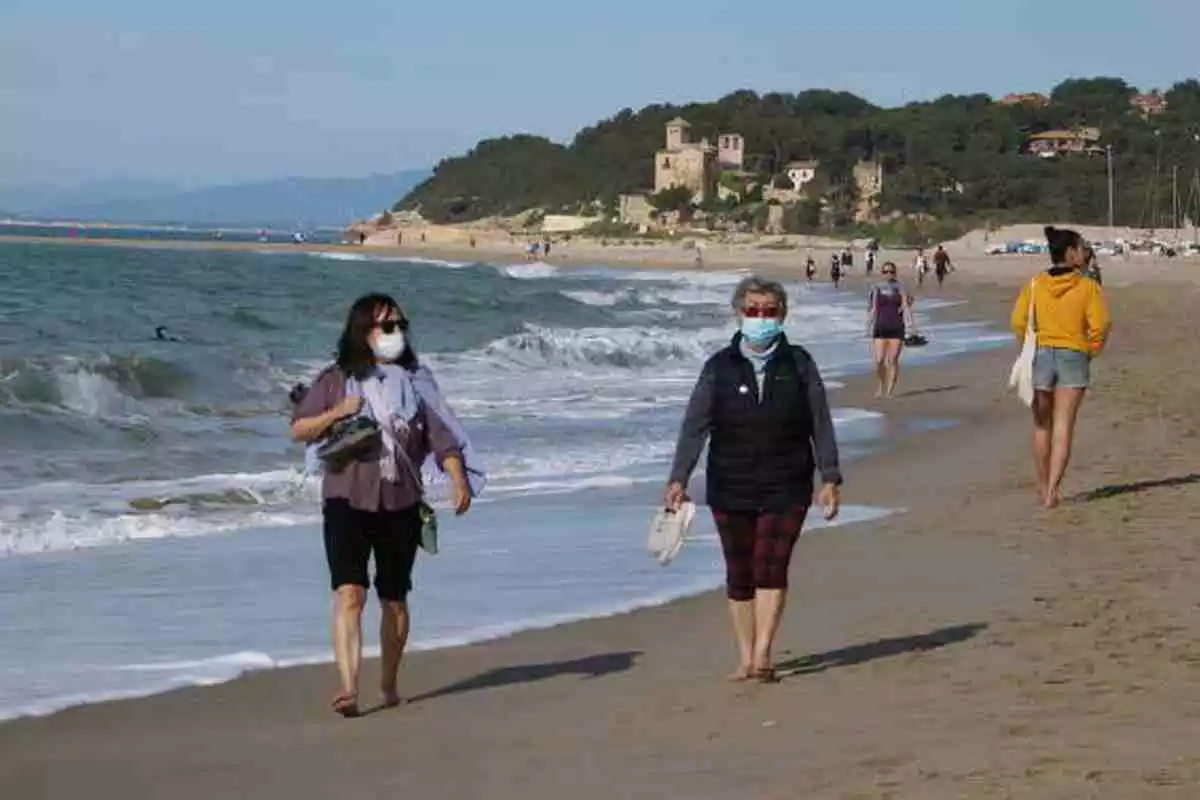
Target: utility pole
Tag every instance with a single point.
(1109, 159)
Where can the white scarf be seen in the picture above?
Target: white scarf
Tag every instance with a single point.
(390, 399)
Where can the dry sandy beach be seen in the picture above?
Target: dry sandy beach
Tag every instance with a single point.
(974, 645)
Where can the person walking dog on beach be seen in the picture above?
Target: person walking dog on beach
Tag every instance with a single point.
(889, 315)
(1071, 323)
(372, 495)
(761, 406)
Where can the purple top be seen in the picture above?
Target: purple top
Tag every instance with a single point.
(888, 302)
(359, 481)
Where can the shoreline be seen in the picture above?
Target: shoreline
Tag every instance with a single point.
(974, 645)
(263, 661)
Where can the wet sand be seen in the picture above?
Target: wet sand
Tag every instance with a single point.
(975, 645)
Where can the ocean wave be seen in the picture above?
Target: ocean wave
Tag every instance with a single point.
(647, 297)
(636, 347)
(532, 270)
(94, 386)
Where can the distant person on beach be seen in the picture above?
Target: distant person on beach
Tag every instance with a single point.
(362, 238)
(847, 261)
(810, 268)
(921, 266)
(1071, 323)
(372, 498)
(941, 265)
(761, 406)
(1091, 266)
(889, 317)
(835, 270)
(545, 248)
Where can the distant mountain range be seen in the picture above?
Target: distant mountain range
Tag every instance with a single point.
(287, 202)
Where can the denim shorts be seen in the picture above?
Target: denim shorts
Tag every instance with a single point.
(1061, 368)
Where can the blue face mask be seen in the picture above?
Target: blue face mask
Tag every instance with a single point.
(761, 331)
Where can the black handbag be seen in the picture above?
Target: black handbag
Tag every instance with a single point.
(347, 440)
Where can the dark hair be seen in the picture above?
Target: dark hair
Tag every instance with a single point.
(1060, 239)
(354, 356)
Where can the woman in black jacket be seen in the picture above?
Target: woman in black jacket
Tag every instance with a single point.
(761, 406)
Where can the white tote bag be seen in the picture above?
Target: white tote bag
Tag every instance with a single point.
(1021, 377)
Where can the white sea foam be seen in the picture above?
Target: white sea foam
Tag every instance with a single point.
(532, 270)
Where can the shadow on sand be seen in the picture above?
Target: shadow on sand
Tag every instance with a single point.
(883, 648)
(931, 390)
(1118, 489)
(589, 667)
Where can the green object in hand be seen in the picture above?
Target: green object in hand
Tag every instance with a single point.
(429, 528)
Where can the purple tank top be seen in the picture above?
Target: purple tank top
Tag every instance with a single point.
(889, 302)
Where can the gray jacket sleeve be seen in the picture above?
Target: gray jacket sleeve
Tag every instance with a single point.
(824, 438)
(697, 422)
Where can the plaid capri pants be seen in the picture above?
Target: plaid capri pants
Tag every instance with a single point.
(758, 548)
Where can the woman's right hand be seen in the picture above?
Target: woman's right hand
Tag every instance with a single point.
(350, 405)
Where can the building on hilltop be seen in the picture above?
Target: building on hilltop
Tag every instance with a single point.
(1149, 104)
(1058, 143)
(695, 165)
(1025, 98)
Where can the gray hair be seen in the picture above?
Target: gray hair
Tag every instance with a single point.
(756, 284)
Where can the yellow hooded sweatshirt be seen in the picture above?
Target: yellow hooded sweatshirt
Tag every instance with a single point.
(1069, 311)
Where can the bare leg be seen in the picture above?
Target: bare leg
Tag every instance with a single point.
(1066, 411)
(879, 356)
(1043, 423)
(892, 366)
(348, 604)
(768, 611)
(393, 636)
(742, 612)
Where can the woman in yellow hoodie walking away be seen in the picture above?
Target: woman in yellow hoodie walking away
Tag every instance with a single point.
(1071, 322)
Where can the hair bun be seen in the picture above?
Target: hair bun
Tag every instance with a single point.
(1049, 230)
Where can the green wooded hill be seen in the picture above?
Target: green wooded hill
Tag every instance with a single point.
(956, 157)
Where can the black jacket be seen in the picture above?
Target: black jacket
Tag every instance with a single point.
(761, 454)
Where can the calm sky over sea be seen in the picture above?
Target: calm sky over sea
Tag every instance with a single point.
(227, 90)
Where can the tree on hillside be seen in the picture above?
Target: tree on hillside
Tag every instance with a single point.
(673, 198)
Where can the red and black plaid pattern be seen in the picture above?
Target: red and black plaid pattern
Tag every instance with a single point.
(758, 548)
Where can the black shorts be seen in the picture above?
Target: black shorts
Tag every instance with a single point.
(351, 536)
(888, 332)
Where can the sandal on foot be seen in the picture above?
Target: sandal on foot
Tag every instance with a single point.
(346, 705)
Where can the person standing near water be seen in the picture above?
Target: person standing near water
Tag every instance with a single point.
(371, 503)
(1071, 323)
(835, 270)
(889, 314)
(761, 406)
(941, 265)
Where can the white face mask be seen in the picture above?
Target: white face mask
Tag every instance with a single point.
(389, 346)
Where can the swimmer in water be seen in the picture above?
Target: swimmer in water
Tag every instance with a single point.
(162, 335)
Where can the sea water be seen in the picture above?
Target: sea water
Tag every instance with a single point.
(156, 529)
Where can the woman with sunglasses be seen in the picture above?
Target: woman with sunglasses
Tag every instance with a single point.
(889, 313)
(371, 504)
(761, 406)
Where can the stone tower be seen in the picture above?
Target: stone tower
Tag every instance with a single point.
(731, 150)
(678, 133)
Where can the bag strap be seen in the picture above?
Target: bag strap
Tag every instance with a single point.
(1031, 325)
(401, 452)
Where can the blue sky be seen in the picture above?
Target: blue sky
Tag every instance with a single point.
(222, 91)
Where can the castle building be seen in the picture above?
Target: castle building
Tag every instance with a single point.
(696, 165)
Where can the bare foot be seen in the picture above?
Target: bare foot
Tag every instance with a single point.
(392, 699)
(346, 704)
(1051, 499)
(744, 673)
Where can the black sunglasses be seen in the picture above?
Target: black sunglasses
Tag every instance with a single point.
(392, 325)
